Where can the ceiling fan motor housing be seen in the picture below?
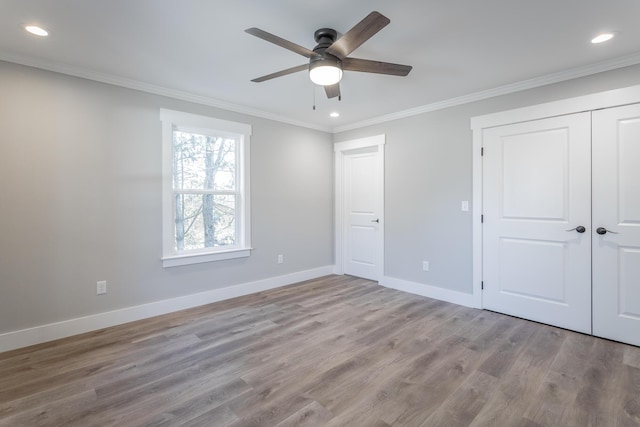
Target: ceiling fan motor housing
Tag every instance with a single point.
(325, 59)
(325, 37)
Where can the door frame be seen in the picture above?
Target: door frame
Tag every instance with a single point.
(341, 150)
(611, 98)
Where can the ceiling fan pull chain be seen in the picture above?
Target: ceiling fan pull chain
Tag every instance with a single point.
(313, 89)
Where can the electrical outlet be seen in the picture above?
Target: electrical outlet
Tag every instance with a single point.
(464, 206)
(425, 265)
(280, 259)
(101, 287)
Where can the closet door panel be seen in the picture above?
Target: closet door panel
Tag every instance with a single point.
(536, 192)
(616, 210)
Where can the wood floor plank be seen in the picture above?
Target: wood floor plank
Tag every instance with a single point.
(310, 415)
(334, 351)
(518, 388)
(91, 361)
(464, 404)
(222, 416)
(419, 397)
(631, 356)
(51, 414)
(412, 352)
(595, 385)
(176, 408)
(506, 353)
(262, 407)
(629, 398)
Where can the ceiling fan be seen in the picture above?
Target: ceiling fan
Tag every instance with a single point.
(330, 57)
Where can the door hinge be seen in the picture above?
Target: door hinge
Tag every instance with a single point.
(482, 285)
(482, 151)
(481, 219)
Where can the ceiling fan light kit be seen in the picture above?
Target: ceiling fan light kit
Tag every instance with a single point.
(324, 68)
(325, 71)
(330, 56)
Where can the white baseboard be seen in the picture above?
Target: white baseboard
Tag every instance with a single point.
(66, 328)
(429, 291)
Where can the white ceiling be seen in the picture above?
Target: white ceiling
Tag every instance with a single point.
(198, 48)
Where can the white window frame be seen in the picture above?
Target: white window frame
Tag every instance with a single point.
(191, 122)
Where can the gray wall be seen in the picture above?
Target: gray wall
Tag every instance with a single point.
(80, 195)
(80, 200)
(428, 174)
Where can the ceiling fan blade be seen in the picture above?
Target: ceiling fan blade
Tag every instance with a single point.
(332, 90)
(281, 42)
(359, 34)
(281, 73)
(367, 66)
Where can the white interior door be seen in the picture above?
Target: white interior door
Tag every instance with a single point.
(362, 194)
(536, 192)
(616, 207)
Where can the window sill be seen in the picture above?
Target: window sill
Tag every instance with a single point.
(178, 260)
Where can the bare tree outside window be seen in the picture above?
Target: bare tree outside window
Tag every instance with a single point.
(204, 188)
(206, 193)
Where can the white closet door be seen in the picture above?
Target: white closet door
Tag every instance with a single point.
(536, 187)
(616, 208)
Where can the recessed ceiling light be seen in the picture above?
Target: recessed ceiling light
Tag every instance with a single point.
(335, 114)
(601, 38)
(35, 30)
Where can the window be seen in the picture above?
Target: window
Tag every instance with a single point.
(205, 189)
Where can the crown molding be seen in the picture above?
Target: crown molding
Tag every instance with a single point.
(152, 89)
(561, 76)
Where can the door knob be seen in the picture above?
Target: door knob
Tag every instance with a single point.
(375, 220)
(579, 229)
(602, 231)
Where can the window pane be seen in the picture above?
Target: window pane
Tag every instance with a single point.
(203, 162)
(204, 221)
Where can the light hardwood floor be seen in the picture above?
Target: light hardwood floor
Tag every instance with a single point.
(337, 351)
